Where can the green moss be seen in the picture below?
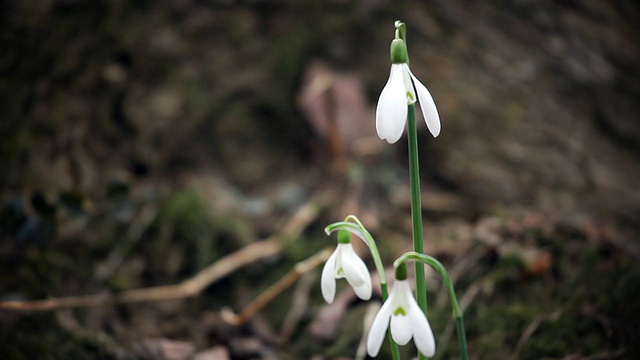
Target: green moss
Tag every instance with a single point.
(585, 305)
(39, 337)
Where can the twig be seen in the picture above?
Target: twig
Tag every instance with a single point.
(131, 238)
(299, 303)
(190, 287)
(530, 330)
(274, 290)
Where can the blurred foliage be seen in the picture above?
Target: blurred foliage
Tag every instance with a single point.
(111, 107)
(39, 336)
(580, 306)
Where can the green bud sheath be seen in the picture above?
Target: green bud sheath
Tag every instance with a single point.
(398, 52)
(344, 237)
(401, 272)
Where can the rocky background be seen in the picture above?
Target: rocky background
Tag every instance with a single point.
(166, 135)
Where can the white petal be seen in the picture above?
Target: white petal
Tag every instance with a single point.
(327, 280)
(363, 291)
(338, 270)
(379, 329)
(400, 323)
(354, 268)
(403, 291)
(422, 334)
(408, 85)
(401, 326)
(391, 111)
(428, 107)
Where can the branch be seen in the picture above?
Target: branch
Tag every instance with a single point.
(190, 287)
(274, 290)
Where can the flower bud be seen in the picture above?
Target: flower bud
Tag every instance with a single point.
(398, 52)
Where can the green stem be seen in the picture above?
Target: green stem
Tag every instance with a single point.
(457, 312)
(416, 208)
(462, 337)
(401, 30)
(353, 225)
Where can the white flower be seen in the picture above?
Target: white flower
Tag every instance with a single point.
(345, 263)
(407, 320)
(400, 90)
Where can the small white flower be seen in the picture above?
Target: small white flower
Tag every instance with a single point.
(400, 90)
(407, 321)
(345, 263)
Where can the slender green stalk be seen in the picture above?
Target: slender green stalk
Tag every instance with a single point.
(353, 225)
(462, 337)
(416, 208)
(457, 312)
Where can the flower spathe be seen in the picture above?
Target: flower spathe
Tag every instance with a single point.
(407, 320)
(345, 263)
(401, 90)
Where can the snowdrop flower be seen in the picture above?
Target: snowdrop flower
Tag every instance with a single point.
(345, 263)
(406, 318)
(400, 90)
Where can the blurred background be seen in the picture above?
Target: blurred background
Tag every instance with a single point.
(141, 142)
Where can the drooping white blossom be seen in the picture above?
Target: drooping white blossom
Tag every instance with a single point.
(403, 88)
(407, 321)
(345, 263)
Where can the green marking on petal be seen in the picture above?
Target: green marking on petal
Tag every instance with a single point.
(340, 272)
(410, 96)
(399, 311)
